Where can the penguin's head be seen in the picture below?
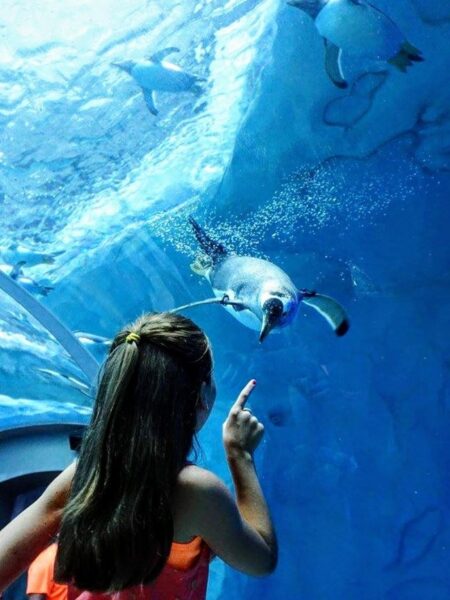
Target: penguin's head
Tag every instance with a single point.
(278, 310)
(126, 66)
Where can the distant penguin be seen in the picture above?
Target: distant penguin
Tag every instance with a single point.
(157, 75)
(33, 287)
(264, 296)
(92, 339)
(62, 378)
(358, 28)
(15, 253)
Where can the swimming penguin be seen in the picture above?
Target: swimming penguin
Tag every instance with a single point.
(33, 287)
(157, 75)
(16, 252)
(92, 339)
(64, 379)
(359, 29)
(256, 292)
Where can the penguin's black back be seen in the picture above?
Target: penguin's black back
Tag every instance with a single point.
(215, 250)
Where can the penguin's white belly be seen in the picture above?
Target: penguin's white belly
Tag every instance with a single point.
(245, 317)
(359, 30)
(161, 78)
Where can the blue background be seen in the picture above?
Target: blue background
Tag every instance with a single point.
(348, 191)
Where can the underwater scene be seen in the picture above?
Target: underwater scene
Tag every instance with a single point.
(290, 161)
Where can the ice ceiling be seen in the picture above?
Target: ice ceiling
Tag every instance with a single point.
(80, 154)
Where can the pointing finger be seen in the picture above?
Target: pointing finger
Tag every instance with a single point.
(244, 396)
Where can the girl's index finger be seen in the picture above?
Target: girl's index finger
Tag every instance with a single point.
(244, 395)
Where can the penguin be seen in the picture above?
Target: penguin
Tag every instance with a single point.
(257, 292)
(62, 378)
(360, 29)
(157, 75)
(16, 252)
(33, 287)
(81, 357)
(92, 339)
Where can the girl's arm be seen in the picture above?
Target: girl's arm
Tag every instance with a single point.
(31, 531)
(240, 532)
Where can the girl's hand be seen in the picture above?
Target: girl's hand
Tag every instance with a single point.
(242, 432)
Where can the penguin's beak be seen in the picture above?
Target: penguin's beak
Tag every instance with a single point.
(272, 311)
(266, 327)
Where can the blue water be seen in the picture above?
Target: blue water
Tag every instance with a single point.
(348, 191)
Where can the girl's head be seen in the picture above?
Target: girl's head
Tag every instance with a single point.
(155, 391)
(172, 353)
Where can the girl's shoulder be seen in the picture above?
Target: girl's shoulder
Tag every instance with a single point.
(196, 480)
(197, 492)
(194, 485)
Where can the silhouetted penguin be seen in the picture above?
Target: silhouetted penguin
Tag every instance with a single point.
(64, 379)
(33, 287)
(264, 296)
(16, 252)
(157, 75)
(92, 339)
(360, 29)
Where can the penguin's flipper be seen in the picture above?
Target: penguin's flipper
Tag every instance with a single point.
(331, 310)
(49, 259)
(45, 290)
(17, 270)
(150, 101)
(215, 250)
(198, 89)
(161, 54)
(333, 65)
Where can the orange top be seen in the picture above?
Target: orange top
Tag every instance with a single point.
(40, 576)
(184, 577)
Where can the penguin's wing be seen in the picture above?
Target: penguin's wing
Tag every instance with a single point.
(331, 310)
(17, 270)
(333, 65)
(150, 101)
(161, 54)
(50, 258)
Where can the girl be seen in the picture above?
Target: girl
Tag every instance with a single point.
(134, 516)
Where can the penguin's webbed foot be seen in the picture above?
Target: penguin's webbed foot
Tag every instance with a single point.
(406, 57)
(201, 264)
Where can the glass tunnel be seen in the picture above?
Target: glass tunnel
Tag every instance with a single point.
(314, 134)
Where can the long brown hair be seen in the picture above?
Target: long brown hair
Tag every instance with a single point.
(117, 527)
